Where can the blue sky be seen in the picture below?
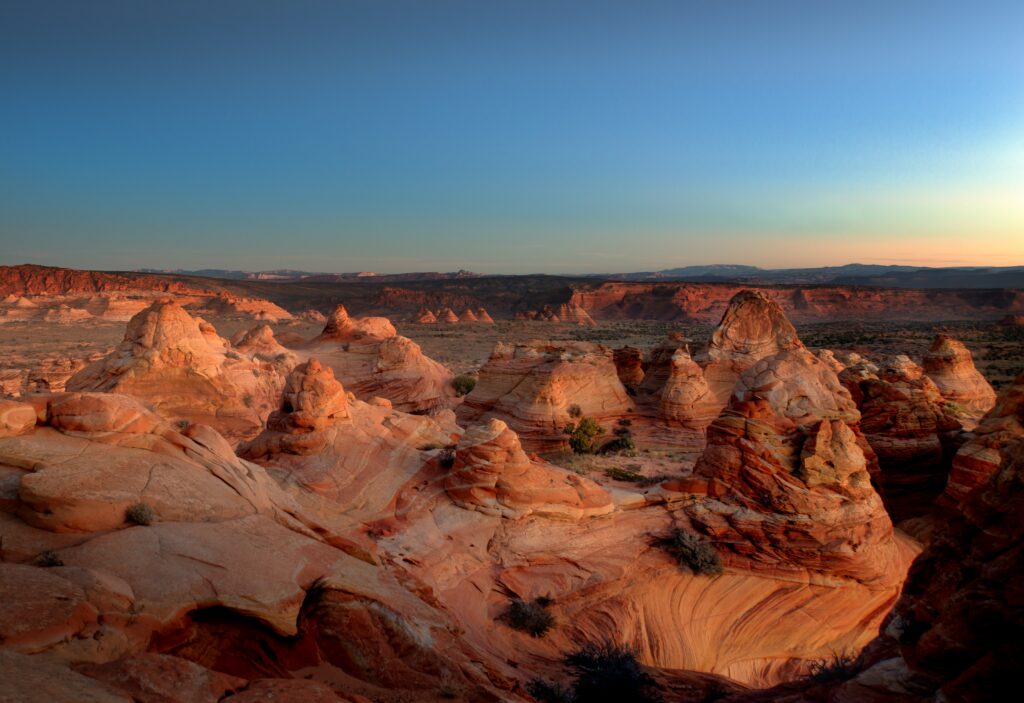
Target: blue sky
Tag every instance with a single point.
(510, 136)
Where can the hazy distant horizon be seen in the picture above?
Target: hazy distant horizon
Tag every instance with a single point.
(565, 137)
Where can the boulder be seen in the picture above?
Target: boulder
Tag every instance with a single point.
(950, 366)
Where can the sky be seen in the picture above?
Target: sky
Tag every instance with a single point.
(510, 137)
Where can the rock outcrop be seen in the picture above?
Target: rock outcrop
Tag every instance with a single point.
(483, 317)
(539, 387)
(341, 327)
(182, 367)
(372, 360)
(752, 328)
(424, 317)
(356, 454)
(950, 366)
(468, 317)
(448, 317)
(575, 314)
(686, 399)
(788, 488)
(629, 365)
(494, 475)
(909, 426)
(981, 456)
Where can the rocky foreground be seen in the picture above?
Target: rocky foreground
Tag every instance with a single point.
(197, 518)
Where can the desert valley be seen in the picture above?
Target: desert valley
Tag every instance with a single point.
(507, 489)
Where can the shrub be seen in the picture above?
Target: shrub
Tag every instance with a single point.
(839, 668)
(693, 552)
(609, 672)
(140, 514)
(549, 691)
(582, 435)
(446, 457)
(49, 558)
(623, 441)
(575, 410)
(623, 475)
(530, 616)
(463, 384)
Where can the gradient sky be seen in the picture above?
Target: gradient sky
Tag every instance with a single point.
(510, 136)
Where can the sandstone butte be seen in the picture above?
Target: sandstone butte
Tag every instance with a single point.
(356, 552)
(181, 366)
(372, 360)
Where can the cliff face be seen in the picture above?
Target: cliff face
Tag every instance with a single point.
(702, 302)
(29, 279)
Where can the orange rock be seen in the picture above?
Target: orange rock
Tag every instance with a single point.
(185, 370)
(342, 328)
(424, 317)
(752, 328)
(950, 365)
(482, 316)
(789, 485)
(909, 426)
(980, 457)
(492, 474)
(161, 677)
(448, 316)
(629, 366)
(685, 398)
(468, 316)
(532, 386)
(16, 418)
(370, 359)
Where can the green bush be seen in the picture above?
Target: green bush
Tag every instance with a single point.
(693, 552)
(582, 435)
(530, 616)
(463, 384)
(549, 691)
(140, 514)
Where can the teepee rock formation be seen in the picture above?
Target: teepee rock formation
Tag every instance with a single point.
(686, 399)
(468, 316)
(448, 317)
(789, 489)
(424, 317)
(752, 328)
(950, 365)
(483, 317)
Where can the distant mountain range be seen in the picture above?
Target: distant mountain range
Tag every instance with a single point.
(893, 276)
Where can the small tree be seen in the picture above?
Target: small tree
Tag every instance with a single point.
(582, 435)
